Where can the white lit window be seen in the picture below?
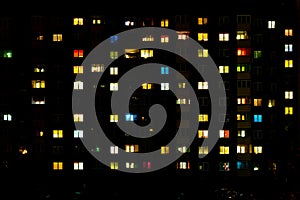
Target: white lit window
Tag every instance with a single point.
(113, 71)
(271, 24)
(164, 86)
(183, 35)
(113, 86)
(223, 69)
(78, 165)
(288, 95)
(78, 133)
(241, 149)
(202, 133)
(223, 36)
(78, 85)
(129, 23)
(114, 149)
(78, 117)
(7, 117)
(130, 165)
(288, 47)
(131, 148)
(183, 165)
(202, 85)
(97, 68)
(164, 38)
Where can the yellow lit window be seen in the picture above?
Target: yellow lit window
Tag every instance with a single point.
(271, 103)
(241, 35)
(148, 38)
(96, 21)
(183, 35)
(257, 149)
(78, 69)
(203, 150)
(257, 102)
(38, 84)
(202, 20)
(288, 63)
(57, 133)
(181, 85)
(114, 165)
(183, 101)
(113, 54)
(78, 117)
(114, 118)
(224, 69)
(131, 148)
(203, 118)
(183, 165)
(224, 150)
(146, 53)
(223, 36)
(165, 150)
(288, 95)
(288, 32)
(57, 37)
(202, 36)
(240, 117)
(78, 21)
(146, 86)
(202, 53)
(202, 133)
(57, 165)
(164, 23)
(288, 110)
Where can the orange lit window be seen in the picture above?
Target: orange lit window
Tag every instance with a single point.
(78, 53)
(57, 165)
(202, 20)
(288, 32)
(224, 133)
(243, 51)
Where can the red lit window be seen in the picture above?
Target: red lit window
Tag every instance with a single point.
(243, 51)
(78, 53)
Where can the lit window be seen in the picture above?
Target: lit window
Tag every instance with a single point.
(241, 149)
(202, 36)
(40, 37)
(257, 54)
(224, 166)
(57, 133)
(164, 86)
(257, 118)
(271, 24)
(242, 165)
(183, 165)
(224, 69)
(130, 165)
(129, 23)
(114, 118)
(38, 84)
(182, 101)
(181, 85)
(202, 20)
(97, 68)
(78, 69)
(114, 165)
(223, 36)
(78, 133)
(146, 53)
(203, 118)
(203, 166)
(57, 165)
(243, 100)
(146, 86)
(78, 53)
(7, 117)
(183, 149)
(164, 70)
(288, 110)
(113, 54)
(257, 149)
(202, 53)
(164, 23)
(288, 95)
(288, 63)
(165, 150)
(39, 69)
(288, 32)
(78, 117)
(202, 85)
(6, 54)
(183, 35)
(130, 117)
(113, 38)
(224, 150)
(241, 133)
(203, 150)
(164, 38)
(78, 165)
(224, 133)
(96, 21)
(257, 102)
(113, 70)
(38, 100)
(243, 51)
(131, 148)
(147, 165)
(241, 117)
(271, 103)
(148, 38)
(113, 87)
(241, 35)
(243, 68)
(288, 48)
(57, 37)
(114, 149)
(78, 85)
(202, 133)
(78, 21)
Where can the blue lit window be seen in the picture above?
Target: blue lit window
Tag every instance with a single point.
(242, 165)
(113, 38)
(257, 118)
(164, 70)
(130, 117)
